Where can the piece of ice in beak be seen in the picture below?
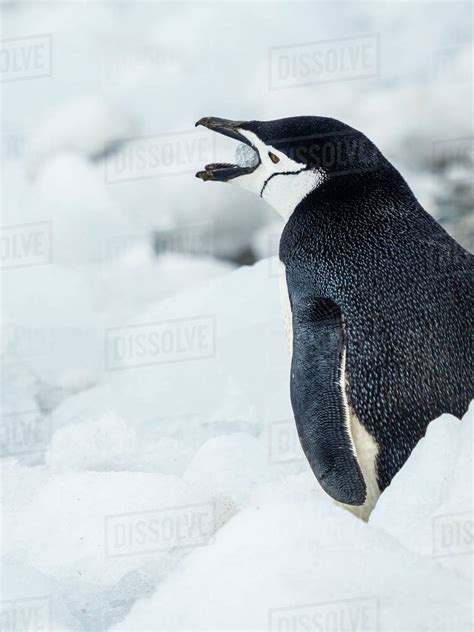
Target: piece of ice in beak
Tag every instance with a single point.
(245, 156)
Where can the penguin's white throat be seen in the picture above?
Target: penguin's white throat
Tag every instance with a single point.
(285, 192)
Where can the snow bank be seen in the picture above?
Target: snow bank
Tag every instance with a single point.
(224, 387)
(291, 559)
(435, 517)
(286, 564)
(175, 495)
(75, 305)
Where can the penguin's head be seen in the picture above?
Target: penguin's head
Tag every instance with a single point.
(283, 160)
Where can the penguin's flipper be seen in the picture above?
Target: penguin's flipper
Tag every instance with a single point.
(317, 398)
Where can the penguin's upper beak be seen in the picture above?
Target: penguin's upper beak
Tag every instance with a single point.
(224, 171)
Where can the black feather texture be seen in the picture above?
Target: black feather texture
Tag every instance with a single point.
(402, 284)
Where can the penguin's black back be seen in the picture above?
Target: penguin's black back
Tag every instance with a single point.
(404, 288)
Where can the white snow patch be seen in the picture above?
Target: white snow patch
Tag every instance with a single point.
(192, 446)
(428, 506)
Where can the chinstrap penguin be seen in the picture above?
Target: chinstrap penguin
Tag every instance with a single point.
(379, 298)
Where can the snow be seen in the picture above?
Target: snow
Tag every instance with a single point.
(207, 447)
(435, 516)
(283, 559)
(245, 156)
(98, 127)
(135, 76)
(164, 487)
(109, 443)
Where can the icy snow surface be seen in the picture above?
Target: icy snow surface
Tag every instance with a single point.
(176, 496)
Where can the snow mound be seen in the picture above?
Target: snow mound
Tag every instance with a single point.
(104, 539)
(286, 561)
(230, 466)
(428, 506)
(108, 443)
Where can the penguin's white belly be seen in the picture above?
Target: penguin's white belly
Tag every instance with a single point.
(366, 450)
(286, 305)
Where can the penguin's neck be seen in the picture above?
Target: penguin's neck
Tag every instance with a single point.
(286, 191)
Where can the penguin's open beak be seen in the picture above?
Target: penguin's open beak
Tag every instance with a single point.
(225, 171)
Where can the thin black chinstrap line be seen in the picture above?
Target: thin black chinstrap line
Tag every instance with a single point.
(281, 173)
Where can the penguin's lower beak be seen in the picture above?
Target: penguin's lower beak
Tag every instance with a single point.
(224, 171)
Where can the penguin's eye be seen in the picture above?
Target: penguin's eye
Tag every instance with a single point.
(273, 158)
